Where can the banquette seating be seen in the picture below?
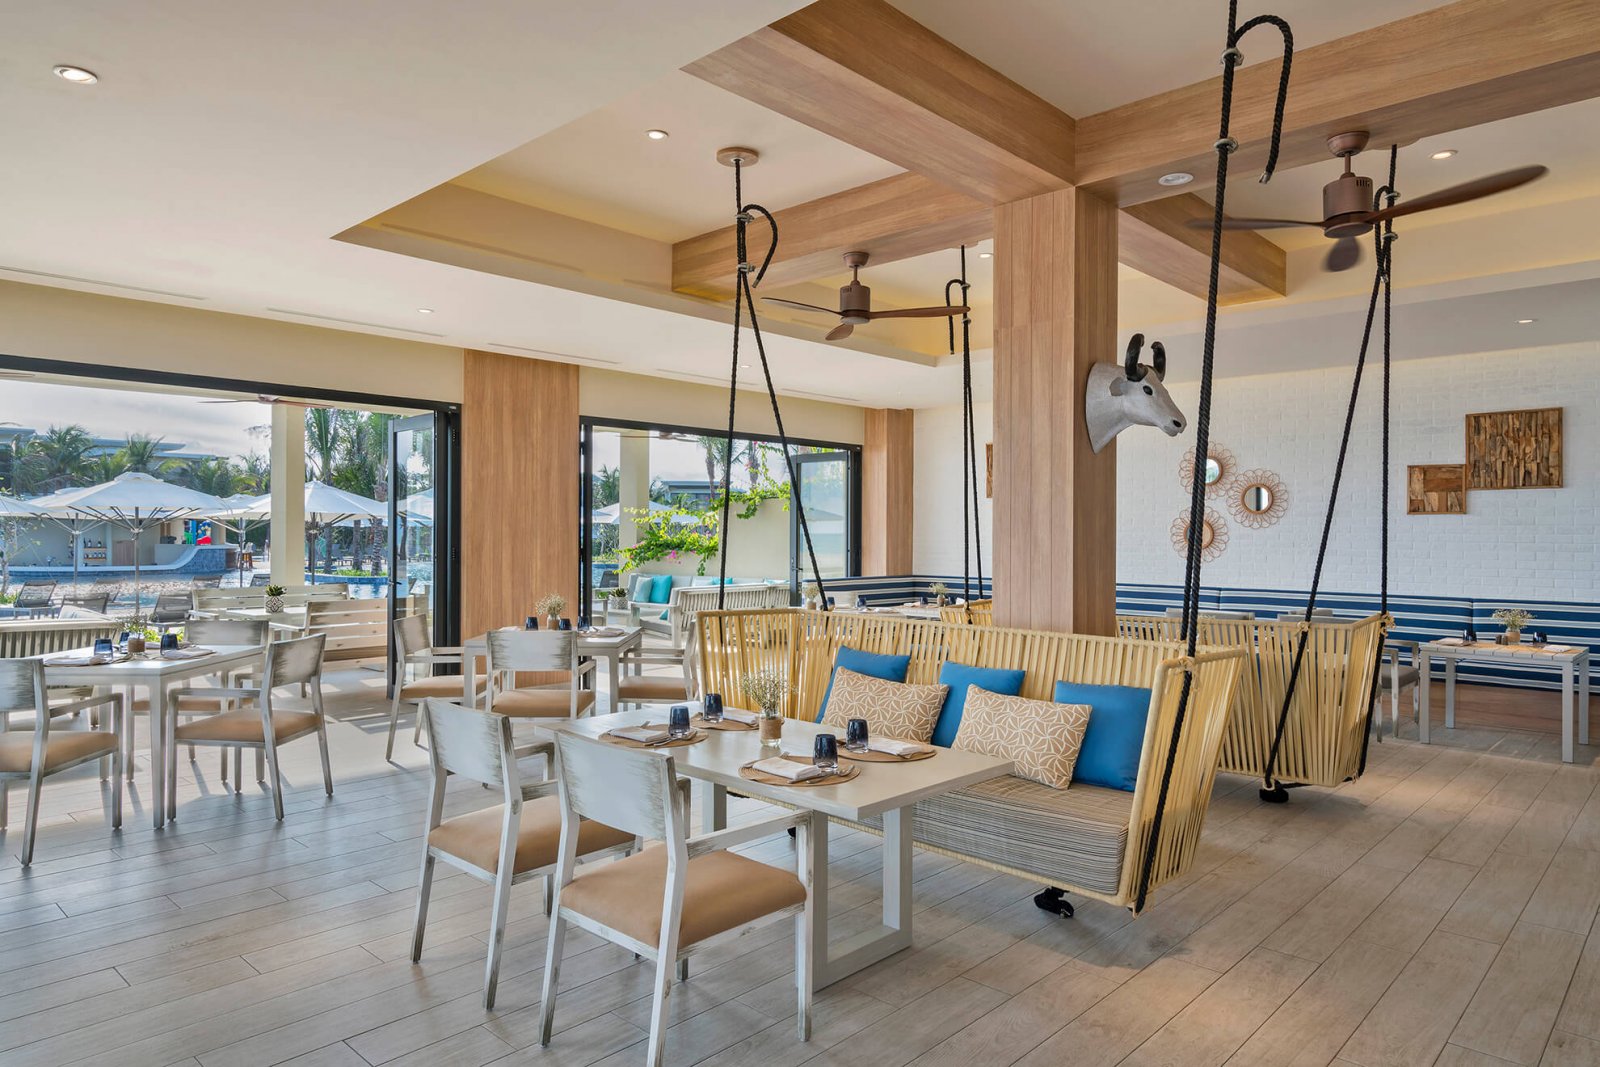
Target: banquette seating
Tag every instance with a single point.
(1086, 839)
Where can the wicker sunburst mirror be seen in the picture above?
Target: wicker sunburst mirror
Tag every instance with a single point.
(1213, 535)
(1257, 499)
(1219, 468)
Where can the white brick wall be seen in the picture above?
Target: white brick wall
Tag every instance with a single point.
(936, 544)
(1535, 543)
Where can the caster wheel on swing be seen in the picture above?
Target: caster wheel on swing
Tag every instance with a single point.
(1054, 901)
(1276, 795)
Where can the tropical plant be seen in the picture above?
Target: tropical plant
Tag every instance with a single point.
(142, 453)
(670, 535)
(323, 435)
(216, 476)
(254, 474)
(607, 487)
(101, 468)
(53, 460)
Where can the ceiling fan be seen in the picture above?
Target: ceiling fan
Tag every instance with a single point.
(263, 398)
(855, 304)
(1347, 203)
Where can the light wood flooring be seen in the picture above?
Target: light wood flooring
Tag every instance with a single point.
(1440, 910)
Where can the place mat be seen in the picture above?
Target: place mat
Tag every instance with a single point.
(870, 756)
(694, 738)
(750, 774)
(725, 724)
(84, 661)
(602, 632)
(187, 653)
(1551, 649)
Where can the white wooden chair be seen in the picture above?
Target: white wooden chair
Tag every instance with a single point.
(669, 901)
(514, 651)
(414, 647)
(1393, 677)
(230, 632)
(634, 687)
(288, 663)
(511, 842)
(42, 752)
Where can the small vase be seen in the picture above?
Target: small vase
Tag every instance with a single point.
(135, 646)
(274, 604)
(771, 728)
(942, 600)
(1513, 637)
(552, 622)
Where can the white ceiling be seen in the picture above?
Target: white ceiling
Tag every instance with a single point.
(1086, 56)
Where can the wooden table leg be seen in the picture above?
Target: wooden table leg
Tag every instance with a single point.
(713, 800)
(1424, 684)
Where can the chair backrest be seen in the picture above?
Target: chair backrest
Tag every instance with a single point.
(259, 580)
(472, 744)
(411, 635)
(355, 628)
(96, 603)
(171, 607)
(632, 790)
(22, 686)
(532, 650)
(975, 613)
(289, 662)
(214, 582)
(35, 593)
(1207, 613)
(226, 631)
(1316, 613)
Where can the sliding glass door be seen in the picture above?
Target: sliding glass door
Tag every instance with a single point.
(825, 484)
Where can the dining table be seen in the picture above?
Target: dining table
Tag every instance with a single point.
(1571, 661)
(156, 674)
(880, 791)
(610, 644)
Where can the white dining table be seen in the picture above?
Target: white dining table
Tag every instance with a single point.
(886, 790)
(609, 647)
(156, 676)
(1572, 663)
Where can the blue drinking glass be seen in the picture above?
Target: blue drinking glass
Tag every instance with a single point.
(855, 737)
(825, 753)
(530, 623)
(564, 624)
(102, 646)
(678, 720)
(713, 704)
(169, 641)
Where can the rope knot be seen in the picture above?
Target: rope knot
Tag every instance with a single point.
(1232, 55)
(1186, 664)
(1226, 144)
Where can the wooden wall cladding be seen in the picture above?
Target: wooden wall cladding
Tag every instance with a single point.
(1436, 489)
(887, 475)
(1514, 449)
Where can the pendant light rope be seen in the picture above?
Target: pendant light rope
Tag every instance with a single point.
(1224, 146)
(744, 299)
(971, 535)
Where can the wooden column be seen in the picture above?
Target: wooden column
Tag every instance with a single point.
(886, 491)
(519, 488)
(1055, 510)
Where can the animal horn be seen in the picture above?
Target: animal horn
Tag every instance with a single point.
(1130, 365)
(1158, 356)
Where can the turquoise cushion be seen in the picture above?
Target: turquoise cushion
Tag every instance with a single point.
(958, 676)
(661, 589)
(1114, 739)
(872, 664)
(639, 587)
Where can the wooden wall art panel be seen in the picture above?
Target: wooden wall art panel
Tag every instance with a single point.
(1436, 489)
(1514, 449)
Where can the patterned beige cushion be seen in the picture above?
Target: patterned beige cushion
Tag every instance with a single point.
(892, 709)
(1040, 736)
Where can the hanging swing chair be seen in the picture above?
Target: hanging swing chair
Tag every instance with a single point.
(974, 609)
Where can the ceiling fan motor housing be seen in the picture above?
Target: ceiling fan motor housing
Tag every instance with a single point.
(855, 301)
(1346, 203)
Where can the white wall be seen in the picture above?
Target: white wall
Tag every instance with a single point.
(936, 543)
(626, 397)
(1533, 543)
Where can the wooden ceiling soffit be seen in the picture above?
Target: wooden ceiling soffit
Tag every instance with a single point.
(1461, 65)
(1154, 238)
(868, 75)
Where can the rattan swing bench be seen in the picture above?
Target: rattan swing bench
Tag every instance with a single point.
(1086, 840)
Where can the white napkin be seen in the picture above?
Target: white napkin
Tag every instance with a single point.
(645, 735)
(788, 769)
(1557, 648)
(96, 660)
(893, 747)
(1450, 641)
(749, 718)
(185, 653)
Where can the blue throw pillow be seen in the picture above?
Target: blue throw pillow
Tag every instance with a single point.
(958, 676)
(872, 664)
(1114, 739)
(661, 589)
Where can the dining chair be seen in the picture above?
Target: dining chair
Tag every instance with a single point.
(511, 842)
(230, 632)
(34, 597)
(414, 647)
(171, 610)
(669, 901)
(1394, 676)
(294, 662)
(48, 752)
(634, 687)
(95, 602)
(514, 650)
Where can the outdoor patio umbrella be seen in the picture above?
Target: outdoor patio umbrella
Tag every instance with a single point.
(236, 525)
(418, 508)
(135, 501)
(326, 506)
(13, 508)
(40, 507)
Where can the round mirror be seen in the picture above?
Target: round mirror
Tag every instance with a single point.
(1213, 535)
(1213, 470)
(1257, 498)
(1208, 534)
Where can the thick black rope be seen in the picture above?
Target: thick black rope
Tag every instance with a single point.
(1190, 625)
(971, 537)
(741, 219)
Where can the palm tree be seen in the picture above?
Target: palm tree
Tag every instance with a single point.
(254, 474)
(142, 453)
(716, 450)
(103, 468)
(607, 487)
(54, 460)
(323, 437)
(216, 476)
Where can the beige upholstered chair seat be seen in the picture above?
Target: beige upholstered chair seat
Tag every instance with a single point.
(245, 726)
(650, 687)
(541, 703)
(447, 687)
(475, 838)
(62, 747)
(722, 891)
(1408, 676)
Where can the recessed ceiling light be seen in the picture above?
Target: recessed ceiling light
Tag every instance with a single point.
(656, 135)
(1177, 177)
(1443, 153)
(1524, 322)
(744, 366)
(985, 255)
(424, 311)
(75, 75)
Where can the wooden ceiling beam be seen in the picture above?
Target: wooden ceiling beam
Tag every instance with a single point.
(1154, 238)
(863, 72)
(1461, 65)
(895, 218)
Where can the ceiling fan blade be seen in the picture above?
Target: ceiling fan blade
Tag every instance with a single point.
(1250, 224)
(920, 313)
(797, 305)
(1345, 253)
(226, 401)
(839, 332)
(1460, 194)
